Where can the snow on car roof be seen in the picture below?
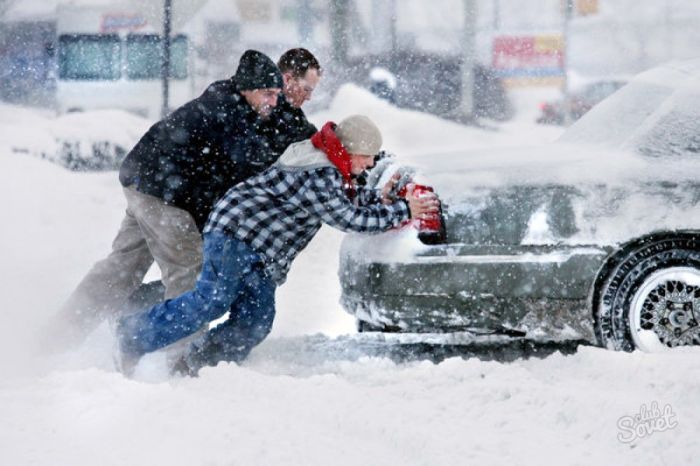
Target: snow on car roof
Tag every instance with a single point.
(624, 139)
(648, 131)
(625, 118)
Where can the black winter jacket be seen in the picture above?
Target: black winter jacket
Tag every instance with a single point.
(286, 125)
(194, 155)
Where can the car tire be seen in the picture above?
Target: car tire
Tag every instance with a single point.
(651, 298)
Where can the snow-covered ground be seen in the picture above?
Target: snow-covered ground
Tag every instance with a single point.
(73, 138)
(305, 396)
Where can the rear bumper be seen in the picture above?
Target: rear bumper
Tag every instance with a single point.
(542, 290)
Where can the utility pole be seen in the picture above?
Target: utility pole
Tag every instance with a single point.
(393, 31)
(466, 108)
(165, 63)
(496, 15)
(567, 12)
(305, 22)
(669, 31)
(339, 16)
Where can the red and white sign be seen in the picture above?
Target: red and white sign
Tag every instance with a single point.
(528, 56)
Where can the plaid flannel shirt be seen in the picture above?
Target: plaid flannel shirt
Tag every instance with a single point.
(279, 211)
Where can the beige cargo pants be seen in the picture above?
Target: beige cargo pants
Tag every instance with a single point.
(151, 230)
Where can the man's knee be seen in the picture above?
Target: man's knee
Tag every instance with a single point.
(214, 297)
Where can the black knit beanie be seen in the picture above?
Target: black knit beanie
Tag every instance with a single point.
(257, 71)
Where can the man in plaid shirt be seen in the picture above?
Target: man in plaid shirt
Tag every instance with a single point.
(254, 233)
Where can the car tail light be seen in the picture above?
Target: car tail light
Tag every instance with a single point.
(431, 228)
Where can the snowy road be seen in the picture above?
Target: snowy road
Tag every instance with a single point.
(310, 394)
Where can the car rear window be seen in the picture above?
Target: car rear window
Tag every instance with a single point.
(648, 117)
(612, 121)
(675, 133)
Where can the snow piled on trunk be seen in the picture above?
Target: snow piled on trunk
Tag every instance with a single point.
(309, 394)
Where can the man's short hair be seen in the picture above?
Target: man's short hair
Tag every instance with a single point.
(297, 62)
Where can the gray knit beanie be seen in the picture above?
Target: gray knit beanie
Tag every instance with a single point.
(359, 135)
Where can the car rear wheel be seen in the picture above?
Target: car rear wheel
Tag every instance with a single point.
(665, 310)
(651, 300)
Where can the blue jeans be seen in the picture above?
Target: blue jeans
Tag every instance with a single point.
(233, 278)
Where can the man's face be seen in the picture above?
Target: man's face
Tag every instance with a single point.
(262, 100)
(360, 163)
(299, 90)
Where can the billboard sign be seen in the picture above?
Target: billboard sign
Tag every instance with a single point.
(535, 56)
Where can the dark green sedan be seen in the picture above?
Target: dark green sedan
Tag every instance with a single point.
(594, 237)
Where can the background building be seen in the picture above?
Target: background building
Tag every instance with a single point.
(429, 47)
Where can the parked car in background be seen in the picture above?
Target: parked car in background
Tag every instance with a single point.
(595, 237)
(578, 103)
(427, 82)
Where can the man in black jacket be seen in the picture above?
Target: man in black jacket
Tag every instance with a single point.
(171, 180)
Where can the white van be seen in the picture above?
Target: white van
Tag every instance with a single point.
(110, 57)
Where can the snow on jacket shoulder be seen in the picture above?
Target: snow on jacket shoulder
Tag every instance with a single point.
(279, 211)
